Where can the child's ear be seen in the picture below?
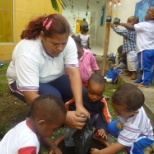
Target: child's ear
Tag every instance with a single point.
(40, 123)
(42, 35)
(135, 112)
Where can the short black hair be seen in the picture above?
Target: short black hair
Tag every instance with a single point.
(47, 107)
(97, 78)
(120, 48)
(84, 28)
(77, 40)
(129, 95)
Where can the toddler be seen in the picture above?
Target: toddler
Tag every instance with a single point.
(133, 128)
(48, 113)
(129, 45)
(87, 61)
(145, 46)
(96, 105)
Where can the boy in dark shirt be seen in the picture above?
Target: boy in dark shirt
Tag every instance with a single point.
(96, 105)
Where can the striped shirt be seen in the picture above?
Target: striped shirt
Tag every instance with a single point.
(129, 39)
(134, 127)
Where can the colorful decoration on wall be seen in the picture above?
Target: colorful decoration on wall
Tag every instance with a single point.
(142, 7)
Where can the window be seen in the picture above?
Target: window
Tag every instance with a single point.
(6, 21)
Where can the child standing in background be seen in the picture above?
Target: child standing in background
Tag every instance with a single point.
(133, 128)
(145, 46)
(129, 46)
(85, 38)
(87, 61)
(48, 113)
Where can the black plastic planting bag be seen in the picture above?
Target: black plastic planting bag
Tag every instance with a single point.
(83, 139)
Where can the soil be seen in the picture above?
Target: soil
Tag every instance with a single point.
(12, 110)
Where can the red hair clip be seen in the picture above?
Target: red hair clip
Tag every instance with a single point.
(44, 22)
(48, 25)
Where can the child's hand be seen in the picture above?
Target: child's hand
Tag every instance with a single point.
(55, 150)
(94, 151)
(101, 133)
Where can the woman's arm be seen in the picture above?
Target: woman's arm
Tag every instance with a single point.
(30, 96)
(76, 86)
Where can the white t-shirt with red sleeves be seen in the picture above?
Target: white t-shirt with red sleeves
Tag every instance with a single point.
(20, 140)
(135, 127)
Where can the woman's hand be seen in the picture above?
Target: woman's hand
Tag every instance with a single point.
(82, 111)
(74, 120)
(55, 150)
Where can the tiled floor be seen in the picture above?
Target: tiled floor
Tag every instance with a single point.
(96, 49)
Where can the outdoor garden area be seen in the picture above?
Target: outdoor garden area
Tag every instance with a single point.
(13, 111)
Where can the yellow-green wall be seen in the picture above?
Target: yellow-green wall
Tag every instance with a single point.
(23, 12)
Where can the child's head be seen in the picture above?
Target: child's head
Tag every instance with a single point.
(47, 114)
(133, 20)
(126, 100)
(150, 14)
(79, 46)
(119, 50)
(95, 87)
(84, 29)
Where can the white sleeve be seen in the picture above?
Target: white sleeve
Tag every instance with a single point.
(139, 27)
(129, 134)
(27, 70)
(29, 140)
(70, 52)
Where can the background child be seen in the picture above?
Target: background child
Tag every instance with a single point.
(145, 46)
(133, 127)
(118, 68)
(87, 61)
(47, 114)
(85, 38)
(129, 46)
(96, 105)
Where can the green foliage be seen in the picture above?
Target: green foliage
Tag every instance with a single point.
(56, 6)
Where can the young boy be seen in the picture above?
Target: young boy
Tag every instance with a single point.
(96, 105)
(129, 46)
(47, 114)
(145, 46)
(119, 68)
(87, 61)
(133, 128)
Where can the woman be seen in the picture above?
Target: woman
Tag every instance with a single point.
(39, 61)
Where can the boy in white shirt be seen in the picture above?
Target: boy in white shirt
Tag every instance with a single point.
(133, 128)
(48, 113)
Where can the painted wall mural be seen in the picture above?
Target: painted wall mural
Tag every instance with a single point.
(142, 7)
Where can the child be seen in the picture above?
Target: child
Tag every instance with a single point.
(133, 129)
(87, 62)
(129, 46)
(118, 68)
(96, 105)
(145, 46)
(47, 114)
(85, 39)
